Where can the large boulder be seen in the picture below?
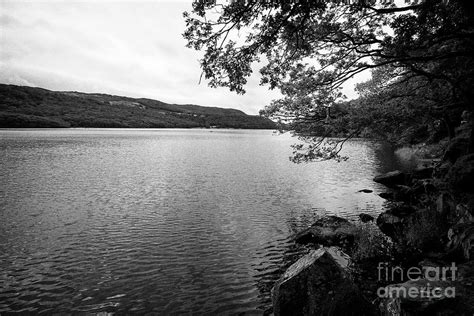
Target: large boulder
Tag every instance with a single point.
(391, 225)
(328, 231)
(317, 284)
(391, 178)
(461, 174)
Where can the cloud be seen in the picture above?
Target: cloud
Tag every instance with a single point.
(8, 21)
(132, 48)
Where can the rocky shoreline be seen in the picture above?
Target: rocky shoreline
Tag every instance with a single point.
(369, 268)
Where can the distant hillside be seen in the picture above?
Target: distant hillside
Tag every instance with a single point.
(36, 107)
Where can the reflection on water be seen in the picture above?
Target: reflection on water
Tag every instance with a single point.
(163, 221)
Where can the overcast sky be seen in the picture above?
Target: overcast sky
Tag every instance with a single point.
(131, 48)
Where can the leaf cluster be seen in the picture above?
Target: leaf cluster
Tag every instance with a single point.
(421, 57)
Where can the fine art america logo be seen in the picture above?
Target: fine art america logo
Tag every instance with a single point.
(429, 289)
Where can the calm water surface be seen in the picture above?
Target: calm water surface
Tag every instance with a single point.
(163, 221)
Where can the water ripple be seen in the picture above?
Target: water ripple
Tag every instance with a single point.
(161, 221)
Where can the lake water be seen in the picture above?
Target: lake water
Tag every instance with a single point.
(163, 221)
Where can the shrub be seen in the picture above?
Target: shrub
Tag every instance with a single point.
(425, 230)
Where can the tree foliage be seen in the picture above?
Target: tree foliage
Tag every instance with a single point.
(36, 107)
(420, 56)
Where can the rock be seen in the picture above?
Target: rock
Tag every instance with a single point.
(391, 178)
(445, 204)
(401, 209)
(457, 147)
(403, 192)
(423, 172)
(387, 195)
(366, 191)
(317, 284)
(364, 218)
(328, 231)
(389, 224)
(461, 174)
(420, 297)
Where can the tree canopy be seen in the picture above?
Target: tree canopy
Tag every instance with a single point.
(420, 55)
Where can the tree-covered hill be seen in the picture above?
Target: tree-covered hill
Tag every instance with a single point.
(35, 107)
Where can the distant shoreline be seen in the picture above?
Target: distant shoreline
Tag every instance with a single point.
(27, 107)
(135, 128)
